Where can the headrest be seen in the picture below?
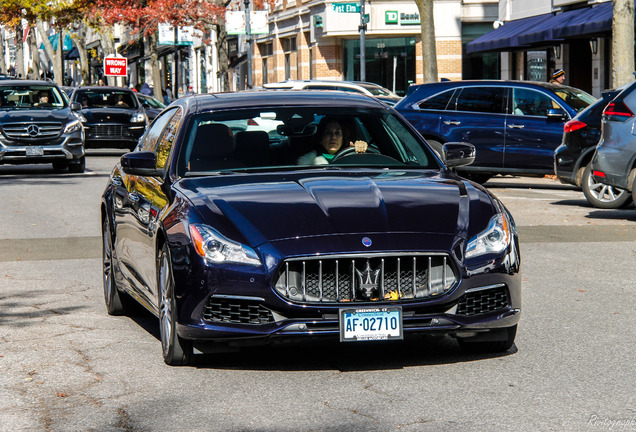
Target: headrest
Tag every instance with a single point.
(213, 140)
(252, 141)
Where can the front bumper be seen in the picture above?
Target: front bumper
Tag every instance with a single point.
(70, 148)
(113, 135)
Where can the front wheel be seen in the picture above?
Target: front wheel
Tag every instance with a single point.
(176, 351)
(601, 195)
(77, 166)
(116, 301)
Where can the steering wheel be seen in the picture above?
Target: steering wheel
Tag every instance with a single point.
(352, 150)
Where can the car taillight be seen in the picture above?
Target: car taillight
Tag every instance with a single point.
(573, 125)
(617, 111)
(599, 174)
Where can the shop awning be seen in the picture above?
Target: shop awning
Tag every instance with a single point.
(505, 37)
(590, 21)
(573, 23)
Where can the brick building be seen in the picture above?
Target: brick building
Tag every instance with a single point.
(318, 39)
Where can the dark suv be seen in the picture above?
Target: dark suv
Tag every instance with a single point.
(514, 125)
(614, 162)
(39, 126)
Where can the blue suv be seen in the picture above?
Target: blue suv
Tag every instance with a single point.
(515, 126)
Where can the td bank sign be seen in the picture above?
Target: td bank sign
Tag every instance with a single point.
(401, 18)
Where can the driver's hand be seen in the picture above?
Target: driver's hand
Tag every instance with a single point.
(360, 146)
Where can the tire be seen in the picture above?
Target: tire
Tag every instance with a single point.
(601, 195)
(176, 351)
(77, 166)
(116, 301)
(437, 147)
(490, 346)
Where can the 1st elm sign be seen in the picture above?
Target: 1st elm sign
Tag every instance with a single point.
(115, 66)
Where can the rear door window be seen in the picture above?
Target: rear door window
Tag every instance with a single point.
(489, 100)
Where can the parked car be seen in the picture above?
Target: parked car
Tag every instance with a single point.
(515, 126)
(614, 162)
(367, 88)
(112, 116)
(151, 106)
(572, 158)
(228, 240)
(39, 126)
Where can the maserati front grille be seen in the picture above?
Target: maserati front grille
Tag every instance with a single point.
(364, 278)
(236, 311)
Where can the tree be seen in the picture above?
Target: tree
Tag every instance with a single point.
(622, 42)
(429, 52)
(143, 18)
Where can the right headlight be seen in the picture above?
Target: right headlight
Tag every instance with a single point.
(493, 240)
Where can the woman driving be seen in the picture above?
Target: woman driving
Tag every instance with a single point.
(332, 135)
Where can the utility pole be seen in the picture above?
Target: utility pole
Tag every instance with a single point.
(248, 35)
(362, 28)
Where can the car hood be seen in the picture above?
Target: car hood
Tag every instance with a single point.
(265, 208)
(108, 115)
(29, 115)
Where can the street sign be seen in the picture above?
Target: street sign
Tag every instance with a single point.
(115, 66)
(346, 7)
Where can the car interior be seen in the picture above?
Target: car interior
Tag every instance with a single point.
(235, 141)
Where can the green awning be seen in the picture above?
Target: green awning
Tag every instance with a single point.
(68, 43)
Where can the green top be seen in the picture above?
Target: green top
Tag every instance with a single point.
(328, 156)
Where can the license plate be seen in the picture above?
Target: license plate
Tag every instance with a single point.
(366, 324)
(34, 151)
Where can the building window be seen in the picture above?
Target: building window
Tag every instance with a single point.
(478, 65)
(265, 71)
(289, 47)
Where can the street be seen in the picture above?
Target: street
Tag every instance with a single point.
(66, 365)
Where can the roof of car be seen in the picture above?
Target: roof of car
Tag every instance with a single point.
(263, 98)
(10, 82)
(106, 88)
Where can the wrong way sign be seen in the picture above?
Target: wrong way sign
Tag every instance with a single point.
(115, 66)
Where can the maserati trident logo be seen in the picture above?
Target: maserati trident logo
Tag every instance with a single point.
(367, 283)
(33, 130)
(366, 241)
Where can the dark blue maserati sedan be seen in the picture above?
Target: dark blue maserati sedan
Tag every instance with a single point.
(331, 219)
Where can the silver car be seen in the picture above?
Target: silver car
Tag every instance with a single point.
(615, 160)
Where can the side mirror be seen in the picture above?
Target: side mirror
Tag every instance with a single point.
(142, 163)
(459, 154)
(556, 114)
(76, 106)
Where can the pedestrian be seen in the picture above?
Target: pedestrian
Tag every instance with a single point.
(558, 76)
(145, 89)
(100, 82)
(166, 98)
(180, 92)
(190, 91)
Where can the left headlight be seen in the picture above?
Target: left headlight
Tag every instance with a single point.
(493, 240)
(138, 118)
(216, 248)
(73, 126)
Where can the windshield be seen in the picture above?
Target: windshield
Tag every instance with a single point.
(41, 97)
(305, 138)
(106, 99)
(577, 99)
(150, 102)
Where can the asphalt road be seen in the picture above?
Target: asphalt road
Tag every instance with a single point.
(65, 365)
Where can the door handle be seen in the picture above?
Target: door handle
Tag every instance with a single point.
(452, 122)
(516, 126)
